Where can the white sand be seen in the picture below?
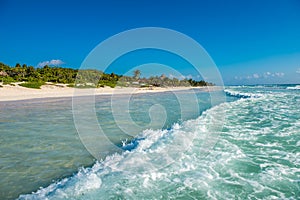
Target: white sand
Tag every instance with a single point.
(13, 93)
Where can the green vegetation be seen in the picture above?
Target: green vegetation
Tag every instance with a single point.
(36, 85)
(87, 78)
(7, 80)
(30, 74)
(71, 85)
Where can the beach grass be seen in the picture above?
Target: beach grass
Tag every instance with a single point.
(34, 85)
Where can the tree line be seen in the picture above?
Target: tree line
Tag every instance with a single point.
(35, 77)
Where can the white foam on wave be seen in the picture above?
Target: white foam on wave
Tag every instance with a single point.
(297, 87)
(242, 94)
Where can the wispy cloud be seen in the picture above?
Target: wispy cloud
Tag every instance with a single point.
(51, 62)
(279, 74)
(298, 71)
(256, 76)
(265, 75)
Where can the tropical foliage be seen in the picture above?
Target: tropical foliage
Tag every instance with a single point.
(36, 77)
(36, 85)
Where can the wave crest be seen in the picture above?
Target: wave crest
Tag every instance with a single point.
(242, 94)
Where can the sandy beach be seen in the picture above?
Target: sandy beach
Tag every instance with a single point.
(15, 93)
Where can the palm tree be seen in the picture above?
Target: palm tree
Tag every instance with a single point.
(136, 74)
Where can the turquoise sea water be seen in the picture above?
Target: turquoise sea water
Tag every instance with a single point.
(254, 155)
(40, 145)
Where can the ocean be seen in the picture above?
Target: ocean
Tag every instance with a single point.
(244, 147)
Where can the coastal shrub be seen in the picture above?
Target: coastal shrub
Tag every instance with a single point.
(35, 85)
(103, 83)
(111, 84)
(33, 79)
(122, 84)
(145, 86)
(7, 80)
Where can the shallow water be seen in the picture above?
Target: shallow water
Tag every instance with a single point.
(40, 144)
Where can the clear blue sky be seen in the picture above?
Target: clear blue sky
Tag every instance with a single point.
(251, 41)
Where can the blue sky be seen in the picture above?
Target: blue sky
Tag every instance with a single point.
(250, 41)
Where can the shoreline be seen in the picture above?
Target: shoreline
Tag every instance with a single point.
(18, 93)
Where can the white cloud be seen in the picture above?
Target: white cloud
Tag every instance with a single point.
(189, 76)
(276, 74)
(267, 74)
(263, 75)
(279, 74)
(256, 76)
(249, 76)
(171, 76)
(51, 62)
(298, 71)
